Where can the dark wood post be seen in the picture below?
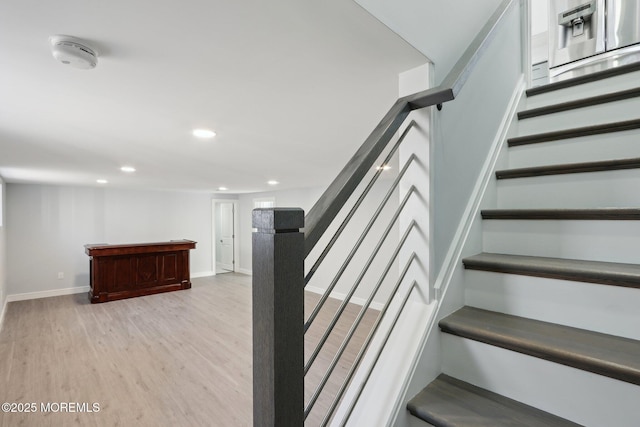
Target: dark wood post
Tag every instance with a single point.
(278, 317)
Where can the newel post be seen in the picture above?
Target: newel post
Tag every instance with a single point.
(278, 317)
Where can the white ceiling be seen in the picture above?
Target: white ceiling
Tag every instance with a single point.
(292, 88)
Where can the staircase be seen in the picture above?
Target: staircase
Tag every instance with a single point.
(550, 333)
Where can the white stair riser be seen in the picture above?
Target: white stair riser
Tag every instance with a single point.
(582, 397)
(627, 109)
(614, 84)
(579, 190)
(602, 308)
(593, 148)
(602, 240)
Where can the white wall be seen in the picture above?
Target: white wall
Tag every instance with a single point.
(441, 30)
(299, 198)
(465, 129)
(47, 227)
(305, 198)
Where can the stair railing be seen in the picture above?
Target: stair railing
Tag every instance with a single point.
(285, 238)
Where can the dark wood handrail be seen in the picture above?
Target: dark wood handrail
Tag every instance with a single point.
(336, 195)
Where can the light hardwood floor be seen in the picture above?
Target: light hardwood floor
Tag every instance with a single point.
(175, 359)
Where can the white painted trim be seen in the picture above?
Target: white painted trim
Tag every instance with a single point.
(526, 40)
(340, 296)
(245, 271)
(47, 294)
(388, 371)
(236, 225)
(70, 291)
(453, 258)
(2, 313)
(201, 274)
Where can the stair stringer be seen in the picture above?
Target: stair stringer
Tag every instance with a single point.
(449, 289)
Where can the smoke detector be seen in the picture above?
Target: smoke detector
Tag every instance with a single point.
(73, 52)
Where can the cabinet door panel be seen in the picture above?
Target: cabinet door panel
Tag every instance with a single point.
(170, 268)
(147, 270)
(121, 274)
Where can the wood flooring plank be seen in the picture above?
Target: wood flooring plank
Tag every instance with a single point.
(574, 133)
(569, 168)
(608, 355)
(606, 273)
(587, 78)
(449, 402)
(579, 103)
(616, 214)
(148, 361)
(173, 359)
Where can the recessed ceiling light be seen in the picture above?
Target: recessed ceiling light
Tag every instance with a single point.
(128, 169)
(203, 133)
(102, 181)
(222, 188)
(272, 182)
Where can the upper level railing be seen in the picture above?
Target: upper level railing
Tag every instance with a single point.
(285, 239)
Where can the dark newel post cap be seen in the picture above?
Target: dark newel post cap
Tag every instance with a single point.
(278, 219)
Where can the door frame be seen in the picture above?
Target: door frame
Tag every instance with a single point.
(236, 248)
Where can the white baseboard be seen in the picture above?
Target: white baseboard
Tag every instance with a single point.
(244, 271)
(2, 313)
(340, 296)
(201, 274)
(46, 294)
(74, 290)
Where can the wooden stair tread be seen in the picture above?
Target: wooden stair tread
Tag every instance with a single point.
(610, 72)
(568, 168)
(574, 132)
(449, 402)
(606, 273)
(579, 103)
(608, 355)
(564, 214)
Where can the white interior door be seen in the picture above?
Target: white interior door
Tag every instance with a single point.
(225, 237)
